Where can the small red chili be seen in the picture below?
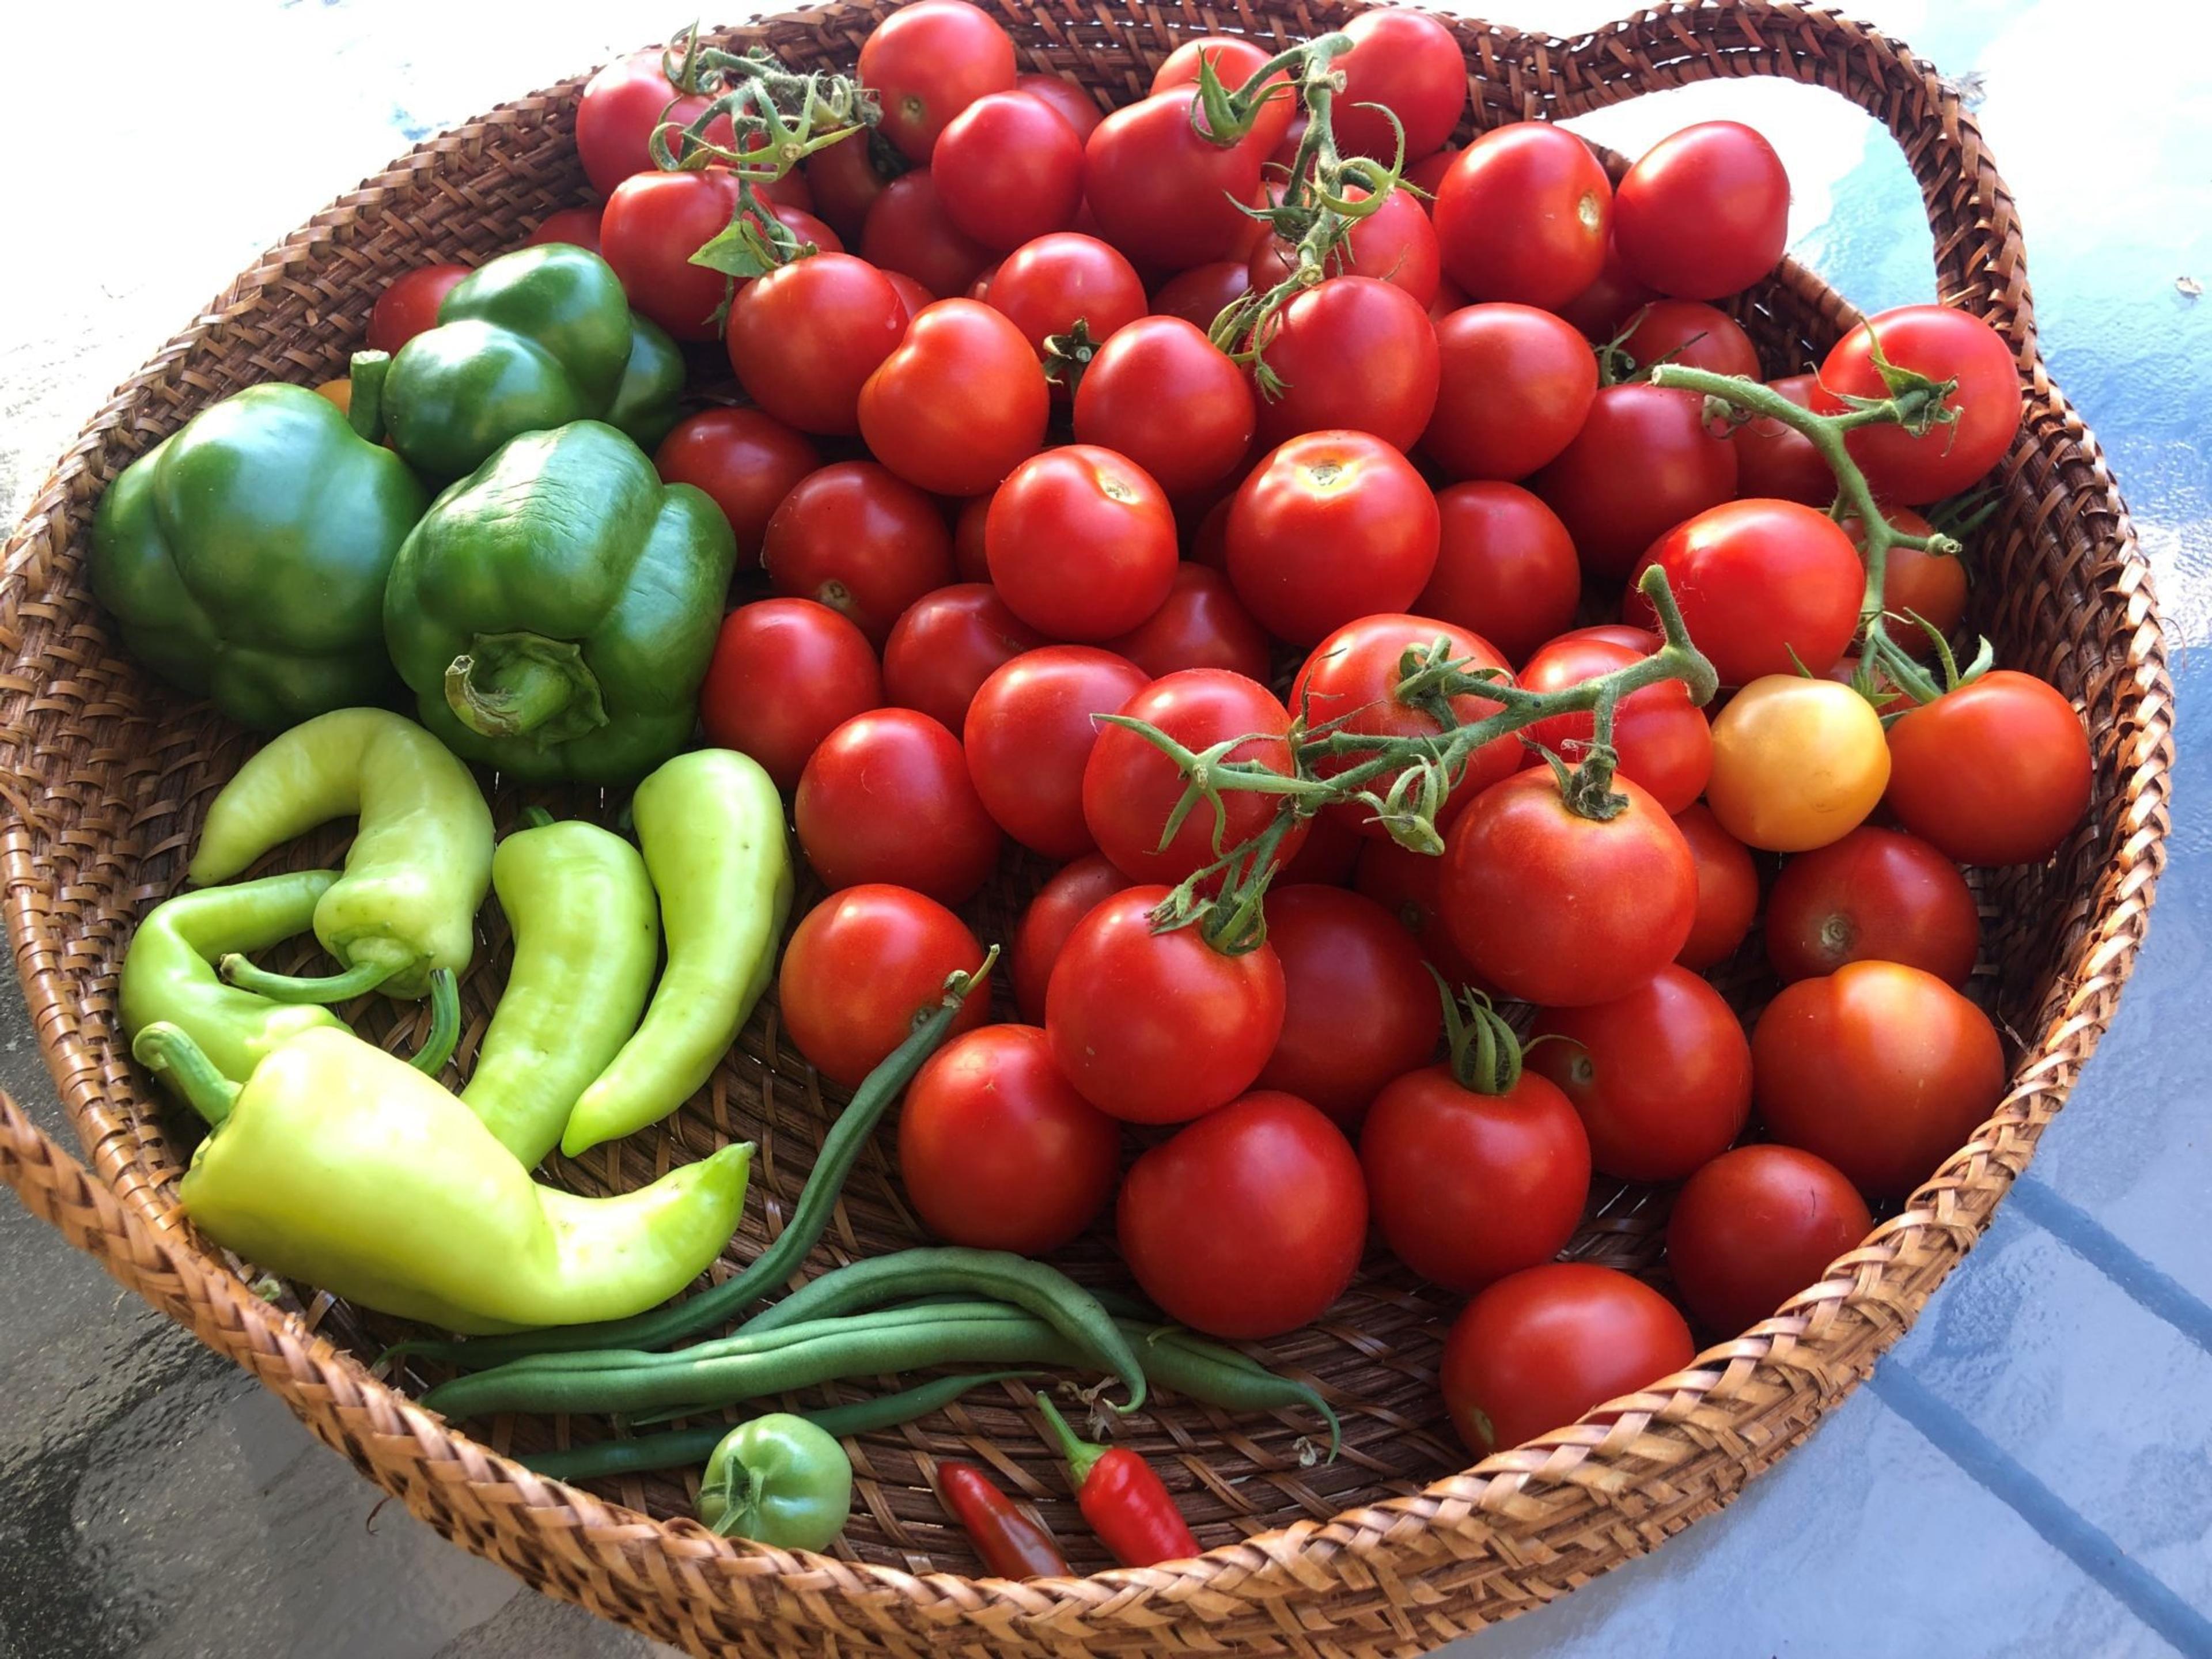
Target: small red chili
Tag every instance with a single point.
(1133, 1514)
(1013, 1544)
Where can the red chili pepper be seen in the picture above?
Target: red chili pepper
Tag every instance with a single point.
(1122, 1500)
(1013, 1545)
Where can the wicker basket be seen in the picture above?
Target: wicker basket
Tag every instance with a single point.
(105, 778)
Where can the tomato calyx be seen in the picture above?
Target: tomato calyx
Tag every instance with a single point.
(1067, 355)
(1485, 1053)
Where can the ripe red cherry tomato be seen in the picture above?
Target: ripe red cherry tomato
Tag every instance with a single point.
(909, 230)
(1779, 462)
(927, 62)
(653, 223)
(1882, 1069)
(1409, 62)
(1029, 734)
(1236, 60)
(1754, 1227)
(1929, 585)
(1945, 345)
(1523, 214)
(1201, 294)
(1661, 736)
(1009, 168)
(618, 109)
(1874, 895)
(1704, 211)
(1074, 893)
(806, 338)
(409, 305)
(1516, 385)
(1046, 286)
(1162, 394)
(1599, 310)
(1066, 98)
(1248, 1224)
(946, 645)
(1353, 355)
(1410, 886)
(1644, 461)
(1163, 194)
(1082, 542)
(786, 673)
(959, 404)
(579, 227)
(1395, 244)
(1331, 526)
(1468, 1188)
(860, 965)
(1199, 625)
(1506, 568)
(886, 798)
(1728, 889)
(746, 461)
(1996, 772)
(1360, 1006)
(1539, 1349)
(1700, 336)
(860, 541)
(996, 1150)
(1660, 1077)
(1764, 587)
(1562, 910)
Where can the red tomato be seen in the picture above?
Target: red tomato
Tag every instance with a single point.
(1700, 336)
(996, 1150)
(786, 673)
(1410, 886)
(1754, 1227)
(1522, 216)
(577, 226)
(1945, 345)
(1248, 1224)
(1074, 893)
(1764, 587)
(806, 338)
(1082, 542)
(618, 109)
(1360, 1007)
(959, 404)
(1201, 294)
(1882, 1069)
(1599, 310)
(1209, 540)
(886, 798)
(1506, 568)
(1236, 59)
(946, 645)
(1517, 386)
(1068, 98)
(1562, 910)
(1928, 586)
(1162, 394)
(1352, 355)
(927, 62)
(862, 542)
(1029, 733)
(1410, 63)
(1395, 244)
(1704, 211)
(1163, 194)
(1450, 297)
(1468, 1188)
(1779, 462)
(409, 305)
(1644, 461)
(845, 182)
(1158, 1027)
(1427, 174)
(1331, 526)
(1550, 1344)
(1875, 895)
(910, 231)
(1009, 168)
(1728, 889)
(1996, 772)
(746, 461)
(1326, 858)
(653, 223)
(1199, 625)
(969, 551)
(1046, 286)
(860, 966)
(1661, 736)
(1660, 1077)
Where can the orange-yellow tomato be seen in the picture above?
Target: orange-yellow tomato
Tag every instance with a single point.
(339, 392)
(1797, 763)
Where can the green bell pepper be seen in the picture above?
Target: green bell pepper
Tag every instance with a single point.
(554, 612)
(244, 556)
(779, 1481)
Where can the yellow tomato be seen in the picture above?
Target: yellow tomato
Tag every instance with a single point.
(339, 392)
(1796, 763)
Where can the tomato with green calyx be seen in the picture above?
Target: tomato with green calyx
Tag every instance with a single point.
(1704, 211)
(1875, 895)
(618, 111)
(1996, 772)
(1942, 345)
(1797, 763)
(1236, 59)
(1162, 192)
(861, 967)
(1778, 462)
(1394, 243)
(1754, 1227)
(1660, 736)
(778, 1480)
(1046, 286)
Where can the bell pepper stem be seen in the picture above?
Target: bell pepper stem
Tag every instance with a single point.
(444, 1023)
(169, 1049)
(1082, 1454)
(536, 817)
(516, 685)
(365, 395)
(357, 981)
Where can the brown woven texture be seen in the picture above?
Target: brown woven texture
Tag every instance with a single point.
(106, 776)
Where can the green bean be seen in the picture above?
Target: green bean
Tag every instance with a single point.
(1206, 1371)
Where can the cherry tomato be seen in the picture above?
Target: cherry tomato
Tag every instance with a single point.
(1352, 355)
(746, 461)
(1199, 625)
(860, 541)
(1523, 214)
(1164, 195)
(1082, 542)
(1427, 174)
(1236, 60)
(1074, 893)
(927, 62)
(1410, 63)
(1764, 587)
(1644, 461)
(409, 305)
(1360, 1006)
(1066, 98)
(846, 181)
(1395, 244)
(1029, 733)
(1882, 1069)
(1009, 168)
(1728, 889)
(1599, 310)
(1248, 1224)
(579, 227)
(959, 404)
(1945, 345)
(1704, 211)
(1754, 1227)
(1996, 772)
(1162, 394)
(1410, 886)
(653, 223)
(1516, 385)
(1468, 1188)
(618, 109)
(1929, 585)
(1875, 895)
(910, 231)
(1797, 763)
(1201, 294)
(996, 1150)
(1550, 1344)
(1330, 527)
(860, 966)
(1779, 462)
(1660, 735)
(1046, 286)
(946, 645)
(804, 338)
(786, 673)
(1699, 336)
(886, 798)
(1504, 567)
(1562, 910)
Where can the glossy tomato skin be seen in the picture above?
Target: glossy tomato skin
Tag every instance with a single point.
(1164, 195)
(579, 227)
(1068, 98)
(1410, 886)
(1236, 60)
(1468, 1188)
(653, 223)
(997, 1152)
(1764, 588)
(618, 109)
(1029, 733)
(1797, 763)
(747, 462)
(1728, 889)
(1331, 526)
(1162, 394)
(1516, 385)
(845, 182)
(1779, 462)
(408, 305)
(1562, 910)
(1081, 542)
(1644, 461)
(1009, 168)
(1996, 772)
(927, 62)
(1199, 625)
(1660, 1077)
(1360, 1006)
(1248, 1224)
(1943, 344)
(1201, 294)
(1601, 310)
(1395, 244)
(1074, 891)
(886, 798)
(1875, 895)
(857, 539)
(860, 965)
(1046, 285)
(1353, 354)
(960, 404)
(1428, 173)
(1882, 1069)
(1704, 211)
(946, 645)
(1699, 336)
(804, 338)
(909, 230)
(1754, 1227)
(785, 674)
(1537, 1350)
(1158, 1027)
(1505, 568)
(1661, 736)
(1409, 62)
(1523, 215)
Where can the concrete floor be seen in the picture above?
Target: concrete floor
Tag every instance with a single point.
(2027, 1475)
